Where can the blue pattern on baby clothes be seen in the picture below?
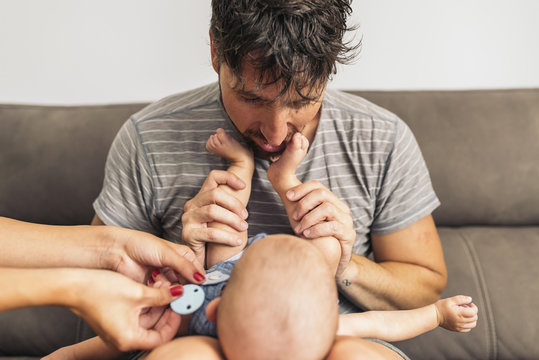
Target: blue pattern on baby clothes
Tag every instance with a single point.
(199, 324)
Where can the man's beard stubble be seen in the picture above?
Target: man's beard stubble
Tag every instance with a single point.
(249, 135)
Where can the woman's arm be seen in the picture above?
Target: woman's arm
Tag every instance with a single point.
(115, 306)
(130, 252)
(457, 313)
(36, 245)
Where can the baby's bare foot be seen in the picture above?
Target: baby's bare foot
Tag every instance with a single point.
(224, 145)
(282, 173)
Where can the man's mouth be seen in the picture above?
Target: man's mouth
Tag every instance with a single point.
(263, 149)
(268, 148)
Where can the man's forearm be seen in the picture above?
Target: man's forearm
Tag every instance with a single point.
(35, 245)
(389, 285)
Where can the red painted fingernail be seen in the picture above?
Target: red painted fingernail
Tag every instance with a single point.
(155, 272)
(150, 281)
(199, 277)
(176, 290)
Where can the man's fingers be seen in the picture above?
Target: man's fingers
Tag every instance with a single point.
(215, 213)
(216, 236)
(310, 195)
(324, 229)
(222, 177)
(216, 197)
(300, 191)
(337, 223)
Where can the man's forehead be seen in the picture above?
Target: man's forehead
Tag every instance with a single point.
(269, 91)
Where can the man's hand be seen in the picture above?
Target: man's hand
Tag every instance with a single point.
(213, 204)
(320, 213)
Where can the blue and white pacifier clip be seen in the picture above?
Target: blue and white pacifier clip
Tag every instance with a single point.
(193, 295)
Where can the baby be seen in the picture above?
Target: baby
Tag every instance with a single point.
(280, 301)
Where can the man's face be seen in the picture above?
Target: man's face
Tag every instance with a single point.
(266, 123)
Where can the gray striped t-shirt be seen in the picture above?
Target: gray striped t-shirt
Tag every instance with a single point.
(364, 154)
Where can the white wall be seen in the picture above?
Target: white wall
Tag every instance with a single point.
(106, 51)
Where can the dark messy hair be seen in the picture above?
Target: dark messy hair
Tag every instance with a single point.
(296, 42)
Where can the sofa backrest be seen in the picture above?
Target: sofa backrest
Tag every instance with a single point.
(482, 150)
(52, 159)
(481, 147)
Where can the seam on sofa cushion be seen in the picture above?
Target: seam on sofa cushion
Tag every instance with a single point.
(483, 289)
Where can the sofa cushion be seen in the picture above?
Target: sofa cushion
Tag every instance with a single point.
(482, 150)
(498, 267)
(53, 159)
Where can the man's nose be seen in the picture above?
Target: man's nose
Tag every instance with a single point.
(275, 126)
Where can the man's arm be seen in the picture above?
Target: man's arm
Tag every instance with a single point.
(408, 270)
(97, 221)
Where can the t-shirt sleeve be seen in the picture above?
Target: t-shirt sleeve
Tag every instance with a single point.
(406, 194)
(127, 196)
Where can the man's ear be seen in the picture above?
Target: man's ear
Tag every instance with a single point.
(211, 309)
(214, 59)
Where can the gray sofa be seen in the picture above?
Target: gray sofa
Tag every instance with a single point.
(482, 149)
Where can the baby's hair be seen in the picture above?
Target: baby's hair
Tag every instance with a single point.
(280, 302)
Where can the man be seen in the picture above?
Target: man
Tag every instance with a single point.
(364, 180)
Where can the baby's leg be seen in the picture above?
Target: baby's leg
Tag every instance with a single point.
(242, 165)
(93, 348)
(282, 175)
(354, 348)
(188, 347)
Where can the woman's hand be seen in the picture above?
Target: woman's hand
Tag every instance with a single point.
(130, 252)
(135, 253)
(124, 313)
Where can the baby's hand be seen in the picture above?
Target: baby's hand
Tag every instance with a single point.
(457, 313)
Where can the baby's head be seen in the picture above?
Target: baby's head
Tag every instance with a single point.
(280, 302)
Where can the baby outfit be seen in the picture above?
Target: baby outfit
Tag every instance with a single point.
(216, 279)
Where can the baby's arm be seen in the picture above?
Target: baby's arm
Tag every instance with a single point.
(457, 313)
(94, 348)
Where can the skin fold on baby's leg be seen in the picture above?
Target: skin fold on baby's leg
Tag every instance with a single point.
(242, 165)
(189, 347)
(282, 175)
(354, 348)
